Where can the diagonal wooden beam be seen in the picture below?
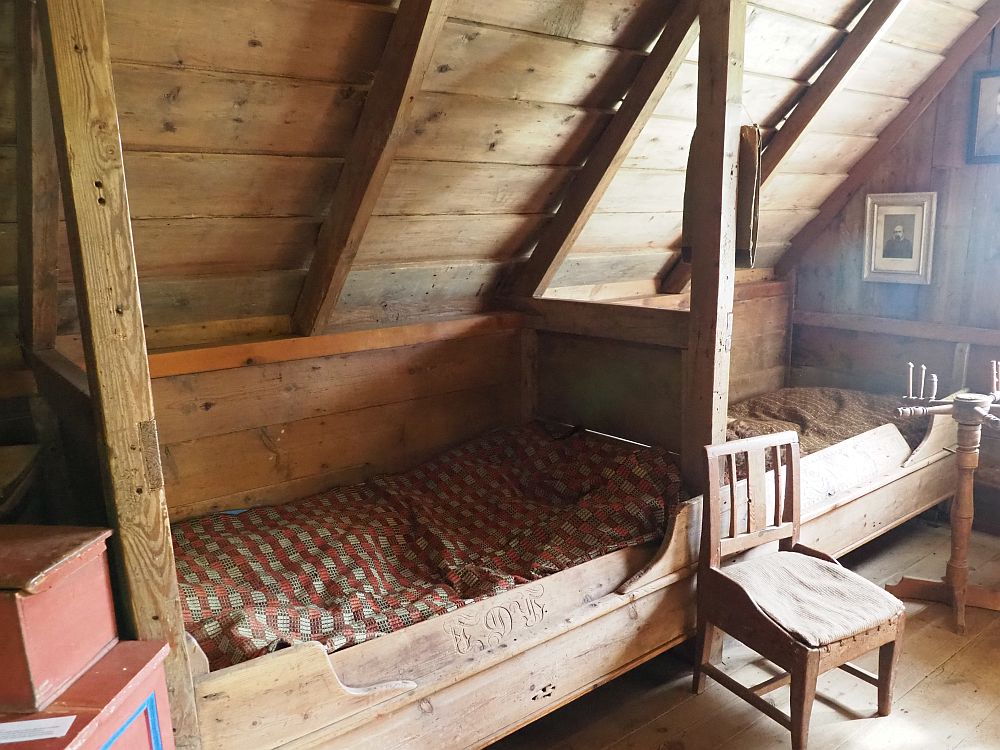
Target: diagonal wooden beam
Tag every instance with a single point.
(92, 175)
(382, 123)
(849, 55)
(920, 100)
(37, 189)
(714, 149)
(591, 182)
(831, 72)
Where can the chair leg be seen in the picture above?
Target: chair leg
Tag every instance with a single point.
(704, 646)
(888, 656)
(803, 693)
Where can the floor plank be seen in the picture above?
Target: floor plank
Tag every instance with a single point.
(947, 689)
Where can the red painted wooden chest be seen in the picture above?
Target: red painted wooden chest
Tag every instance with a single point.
(120, 703)
(56, 612)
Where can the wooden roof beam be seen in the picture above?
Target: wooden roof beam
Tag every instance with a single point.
(590, 183)
(832, 71)
(712, 218)
(920, 100)
(848, 56)
(380, 127)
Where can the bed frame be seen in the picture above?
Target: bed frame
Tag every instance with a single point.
(466, 678)
(469, 677)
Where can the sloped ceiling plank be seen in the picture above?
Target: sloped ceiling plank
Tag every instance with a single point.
(588, 186)
(619, 23)
(989, 17)
(380, 128)
(877, 18)
(337, 40)
(485, 61)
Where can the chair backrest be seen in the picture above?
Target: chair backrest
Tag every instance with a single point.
(762, 505)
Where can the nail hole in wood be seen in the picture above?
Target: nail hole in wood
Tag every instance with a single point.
(98, 184)
(101, 200)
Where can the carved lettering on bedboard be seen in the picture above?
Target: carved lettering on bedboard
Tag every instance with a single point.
(486, 629)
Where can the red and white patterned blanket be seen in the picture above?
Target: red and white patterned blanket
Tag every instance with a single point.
(354, 563)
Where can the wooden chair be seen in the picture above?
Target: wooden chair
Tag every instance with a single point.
(795, 606)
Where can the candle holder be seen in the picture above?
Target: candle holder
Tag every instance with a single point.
(972, 411)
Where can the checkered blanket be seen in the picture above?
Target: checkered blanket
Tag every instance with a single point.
(354, 563)
(821, 416)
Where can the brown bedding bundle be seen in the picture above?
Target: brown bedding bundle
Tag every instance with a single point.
(821, 416)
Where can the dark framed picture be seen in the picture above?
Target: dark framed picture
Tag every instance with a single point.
(899, 237)
(983, 145)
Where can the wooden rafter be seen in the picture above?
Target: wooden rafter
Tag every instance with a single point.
(920, 100)
(715, 148)
(92, 176)
(380, 127)
(37, 188)
(591, 182)
(831, 72)
(849, 55)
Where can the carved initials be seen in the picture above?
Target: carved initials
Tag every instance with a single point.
(479, 631)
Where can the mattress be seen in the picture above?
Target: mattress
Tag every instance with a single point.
(355, 563)
(821, 416)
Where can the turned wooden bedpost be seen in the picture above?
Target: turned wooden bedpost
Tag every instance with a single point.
(970, 410)
(970, 428)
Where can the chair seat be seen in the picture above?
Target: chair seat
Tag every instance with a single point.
(815, 601)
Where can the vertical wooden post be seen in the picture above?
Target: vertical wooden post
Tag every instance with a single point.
(715, 148)
(88, 146)
(37, 188)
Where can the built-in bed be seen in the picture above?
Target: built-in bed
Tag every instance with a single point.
(515, 649)
(864, 470)
(509, 575)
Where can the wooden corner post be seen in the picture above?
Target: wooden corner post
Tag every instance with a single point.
(715, 148)
(89, 152)
(37, 189)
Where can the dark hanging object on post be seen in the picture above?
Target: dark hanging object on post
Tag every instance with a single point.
(747, 197)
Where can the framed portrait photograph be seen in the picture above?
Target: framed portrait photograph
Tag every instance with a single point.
(899, 237)
(983, 145)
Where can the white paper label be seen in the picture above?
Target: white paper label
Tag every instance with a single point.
(35, 729)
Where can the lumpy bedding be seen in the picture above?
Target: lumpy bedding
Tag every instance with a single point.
(821, 416)
(354, 563)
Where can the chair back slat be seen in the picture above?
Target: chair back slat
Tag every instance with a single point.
(730, 460)
(777, 465)
(756, 491)
(755, 481)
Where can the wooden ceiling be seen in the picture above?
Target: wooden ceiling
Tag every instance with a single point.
(237, 119)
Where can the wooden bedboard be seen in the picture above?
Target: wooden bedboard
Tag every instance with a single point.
(522, 652)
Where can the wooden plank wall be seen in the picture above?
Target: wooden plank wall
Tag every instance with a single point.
(961, 301)
(236, 117)
(291, 428)
(634, 390)
(16, 382)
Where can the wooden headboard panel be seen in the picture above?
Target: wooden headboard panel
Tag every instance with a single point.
(617, 368)
(264, 423)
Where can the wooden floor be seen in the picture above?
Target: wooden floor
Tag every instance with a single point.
(947, 687)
